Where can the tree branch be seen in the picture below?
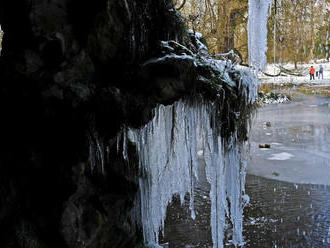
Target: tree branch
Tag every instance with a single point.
(181, 6)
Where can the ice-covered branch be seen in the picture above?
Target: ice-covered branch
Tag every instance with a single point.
(231, 56)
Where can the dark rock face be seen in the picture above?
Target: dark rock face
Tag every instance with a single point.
(72, 74)
(70, 78)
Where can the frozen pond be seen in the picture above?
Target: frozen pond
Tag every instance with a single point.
(299, 136)
(286, 215)
(289, 191)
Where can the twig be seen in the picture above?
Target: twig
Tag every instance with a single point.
(181, 6)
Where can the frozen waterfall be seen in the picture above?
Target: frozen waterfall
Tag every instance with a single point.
(167, 149)
(257, 32)
(168, 146)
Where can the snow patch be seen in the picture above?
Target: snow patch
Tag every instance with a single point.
(169, 56)
(281, 156)
(200, 153)
(197, 34)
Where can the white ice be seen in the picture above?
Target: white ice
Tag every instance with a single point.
(168, 148)
(257, 32)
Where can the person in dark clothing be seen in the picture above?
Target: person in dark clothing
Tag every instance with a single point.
(321, 71)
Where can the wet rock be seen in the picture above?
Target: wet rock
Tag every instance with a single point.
(264, 145)
(91, 219)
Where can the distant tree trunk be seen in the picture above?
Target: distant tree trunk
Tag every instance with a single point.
(312, 31)
(222, 28)
(228, 23)
(232, 25)
(233, 21)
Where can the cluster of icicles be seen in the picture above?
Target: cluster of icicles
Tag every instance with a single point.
(168, 149)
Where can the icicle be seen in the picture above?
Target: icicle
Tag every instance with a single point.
(234, 188)
(166, 155)
(125, 156)
(118, 141)
(257, 32)
(167, 148)
(100, 153)
(96, 152)
(216, 177)
(1, 36)
(91, 156)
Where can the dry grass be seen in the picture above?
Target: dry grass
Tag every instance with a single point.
(270, 87)
(290, 89)
(315, 90)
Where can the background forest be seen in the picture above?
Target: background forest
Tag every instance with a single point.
(302, 27)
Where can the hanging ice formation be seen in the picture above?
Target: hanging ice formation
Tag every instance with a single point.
(1, 36)
(167, 150)
(257, 32)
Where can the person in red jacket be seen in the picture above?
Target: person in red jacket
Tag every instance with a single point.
(311, 73)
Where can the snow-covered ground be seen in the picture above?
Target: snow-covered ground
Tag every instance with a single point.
(274, 69)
